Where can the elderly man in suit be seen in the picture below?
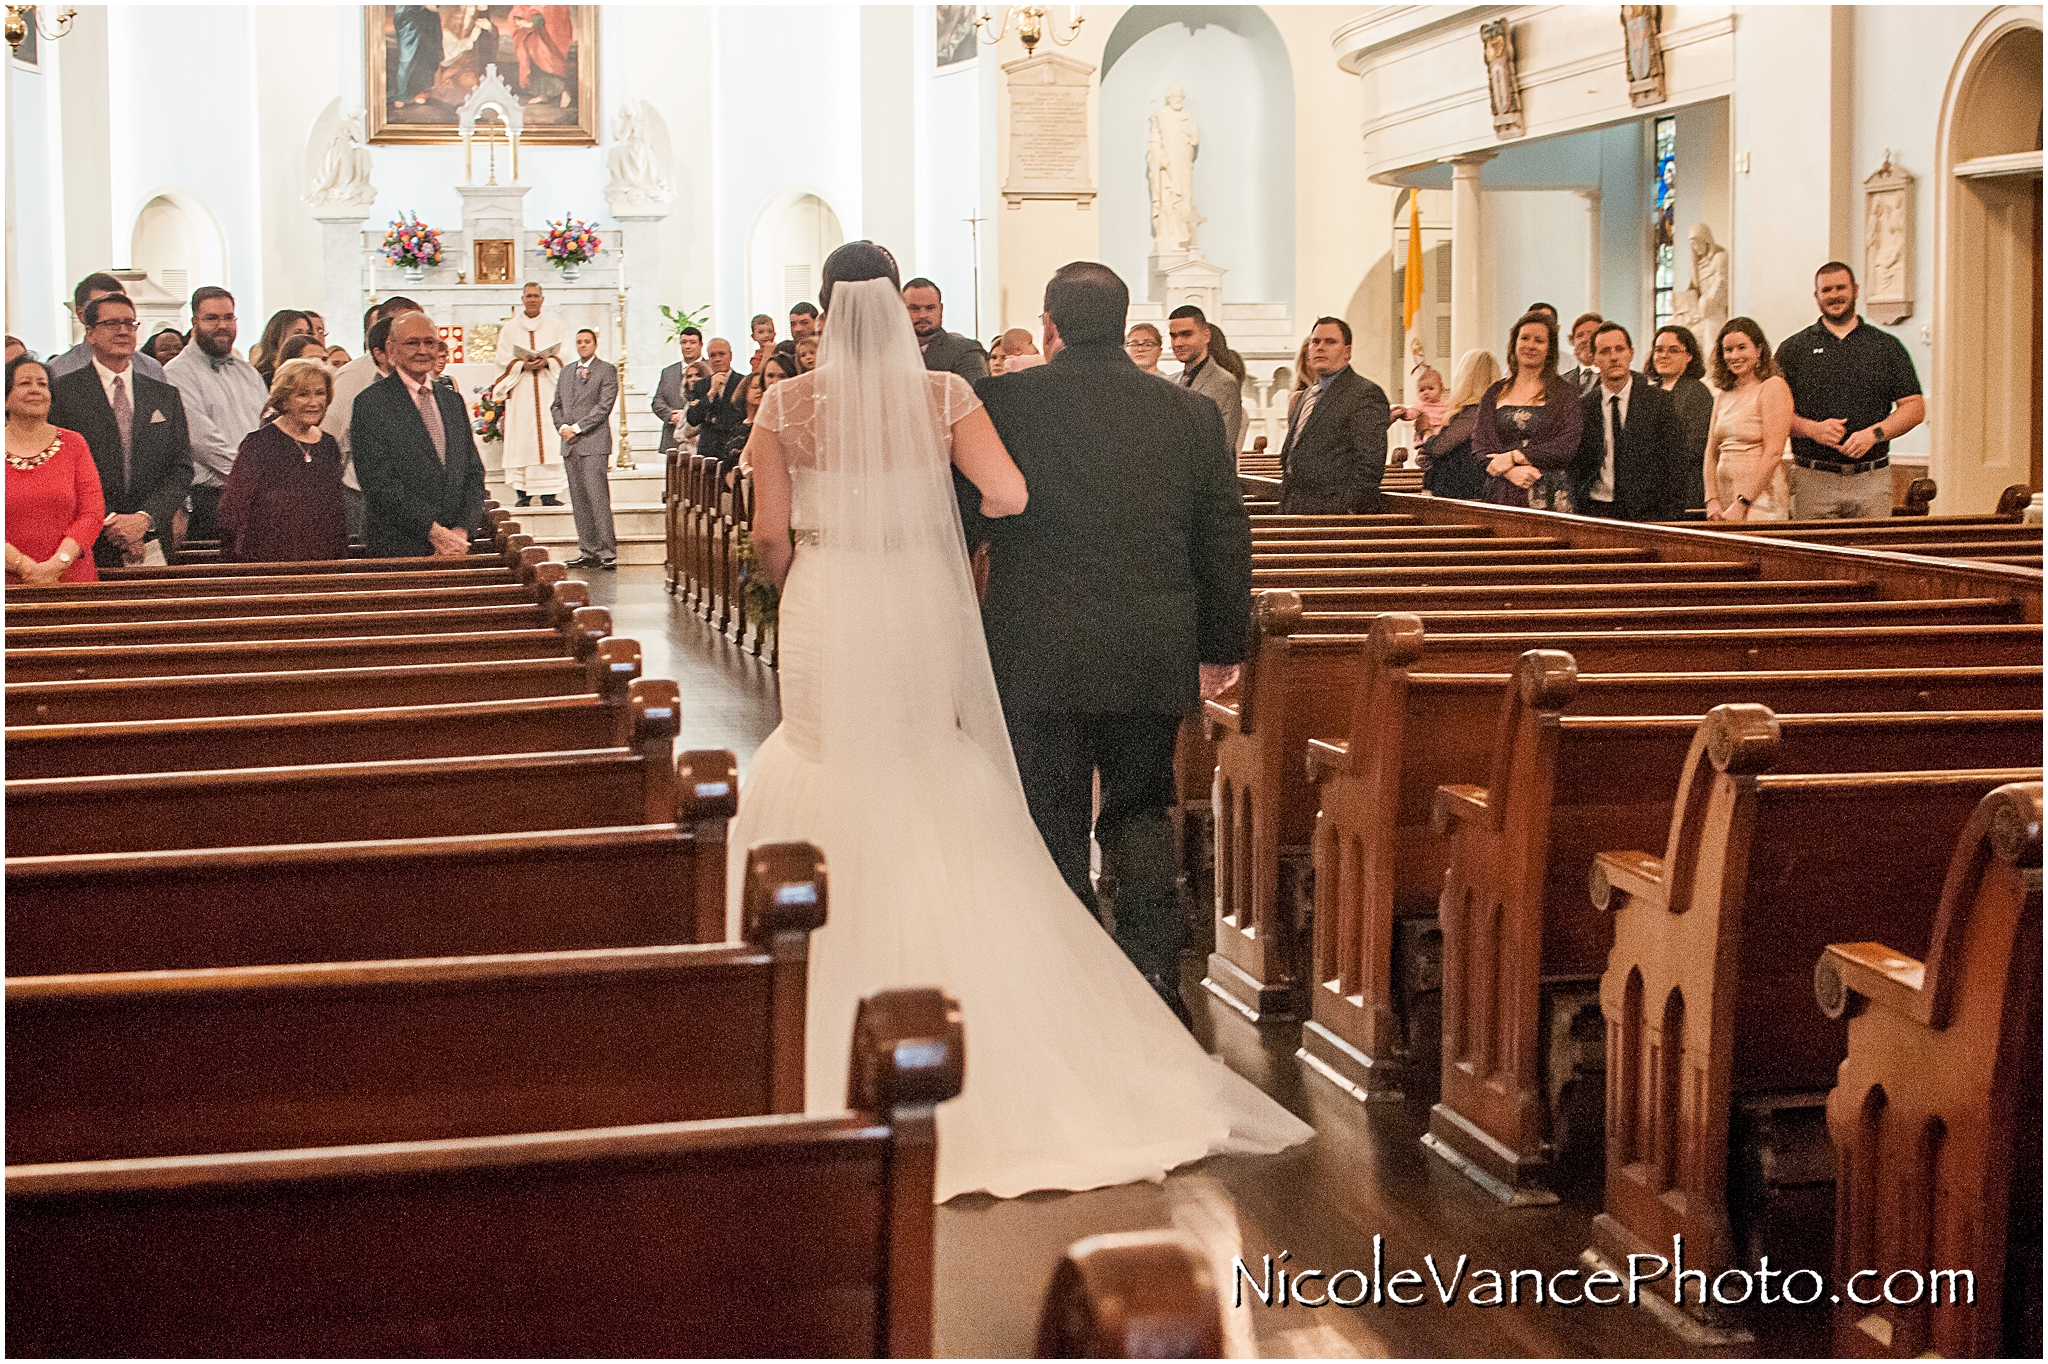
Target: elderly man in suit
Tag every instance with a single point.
(1336, 447)
(1121, 593)
(422, 478)
(718, 406)
(583, 418)
(943, 350)
(135, 427)
(1188, 329)
(1633, 459)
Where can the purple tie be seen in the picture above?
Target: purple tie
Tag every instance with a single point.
(430, 413)
(124, 417)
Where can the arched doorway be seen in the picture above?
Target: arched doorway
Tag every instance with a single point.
(786, 252)
(1987, 415)
(176, 242)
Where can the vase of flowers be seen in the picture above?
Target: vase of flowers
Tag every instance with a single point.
(412, 246)
(568, 245)
(489, 412)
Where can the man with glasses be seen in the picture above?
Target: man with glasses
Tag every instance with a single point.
(223, 396)
(135, 426)
(98, 285)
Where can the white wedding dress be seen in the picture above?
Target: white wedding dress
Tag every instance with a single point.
(892, 758)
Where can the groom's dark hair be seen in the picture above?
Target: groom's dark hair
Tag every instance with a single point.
(1087, 301)
(854, 262)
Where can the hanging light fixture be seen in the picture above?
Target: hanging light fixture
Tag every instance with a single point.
(1031, 27)
(19, 17)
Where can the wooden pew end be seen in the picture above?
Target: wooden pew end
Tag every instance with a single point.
(785, 891)
(1395, 639)
(2011, 502)
(909, 1051)
(588, 625)
(615, 667)
(1630, 873)
(708, 791)
(1849, 973)
(656, 704)
(1132, 1295)
(1275, 612)
(1547, 679)
(530, 557)
(1741, 738)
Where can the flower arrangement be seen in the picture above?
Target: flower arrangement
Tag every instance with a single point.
(411, 244)
(763, 600)
(489, 411)
(569, 242)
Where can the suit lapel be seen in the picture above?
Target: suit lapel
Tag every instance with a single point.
(94, 395)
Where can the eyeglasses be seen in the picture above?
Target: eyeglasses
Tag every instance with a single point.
(111, 325)
(1141, 345)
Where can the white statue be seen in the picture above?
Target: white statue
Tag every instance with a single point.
(1170, 163)
(1709, 281)
(639, 159)
(340, 161)
(1884, 252)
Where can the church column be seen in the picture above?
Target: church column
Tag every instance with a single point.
(1468, 252)
(644, 353)
(341, 281)
(1592, 198)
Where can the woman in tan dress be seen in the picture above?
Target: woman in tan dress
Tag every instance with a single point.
(1745, 464)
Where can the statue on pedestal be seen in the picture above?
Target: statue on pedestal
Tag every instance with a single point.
(1170, 163)
(639, 160)
(340, 160)
(1708, 288)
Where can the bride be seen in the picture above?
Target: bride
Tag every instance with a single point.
(893, 758)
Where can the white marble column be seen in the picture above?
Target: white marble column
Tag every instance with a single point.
(341, 291)
(1592, 198)
(646, 352)
(1469, 249)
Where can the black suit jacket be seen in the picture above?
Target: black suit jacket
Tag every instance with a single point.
(405, 487)
(1132, 563)
(718, 416)
(962, 355)
(1649, 455)
(1332, 463)
(159, 454)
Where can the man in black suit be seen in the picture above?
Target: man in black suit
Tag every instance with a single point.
(718, 406)
(1115, 599)
(943, 350)
(1336, 447)
(422, 478)
(136, 429)
(1632, 459)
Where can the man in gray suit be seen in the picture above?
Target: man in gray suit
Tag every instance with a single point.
(1188, 329)
(943, 350)
(583, 415)
(672, 396)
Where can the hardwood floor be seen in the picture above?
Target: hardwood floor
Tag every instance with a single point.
(1365, 1174)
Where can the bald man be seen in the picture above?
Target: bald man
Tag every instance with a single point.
(421, 475)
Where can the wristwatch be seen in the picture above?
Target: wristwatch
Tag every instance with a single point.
(65, 559)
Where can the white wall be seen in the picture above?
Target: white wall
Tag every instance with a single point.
(35, 293)
(954, 133)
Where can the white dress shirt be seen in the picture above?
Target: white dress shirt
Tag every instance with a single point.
(224, 399)
(1603, 486)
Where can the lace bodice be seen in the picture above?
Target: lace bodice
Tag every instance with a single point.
(793, 410)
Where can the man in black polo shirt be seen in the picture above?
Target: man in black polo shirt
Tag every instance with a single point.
(1854, 392)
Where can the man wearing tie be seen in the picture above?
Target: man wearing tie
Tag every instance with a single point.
(1632, 460)
(422, 478)
(1188, 329)
(1336, 450)
(583, 418)
(136, 429)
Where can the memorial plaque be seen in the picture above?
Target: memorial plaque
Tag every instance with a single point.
(1049, 136)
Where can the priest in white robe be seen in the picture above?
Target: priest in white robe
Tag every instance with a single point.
(531, 344)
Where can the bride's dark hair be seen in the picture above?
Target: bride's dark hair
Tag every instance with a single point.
(857, 261)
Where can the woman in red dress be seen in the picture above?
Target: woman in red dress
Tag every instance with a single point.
(54, 503)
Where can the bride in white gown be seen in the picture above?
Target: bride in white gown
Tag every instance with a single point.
(893, 758)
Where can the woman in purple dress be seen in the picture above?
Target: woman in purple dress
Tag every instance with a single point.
(283, 501)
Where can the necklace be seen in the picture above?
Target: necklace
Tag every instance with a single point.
(304, 449)
(39, 458)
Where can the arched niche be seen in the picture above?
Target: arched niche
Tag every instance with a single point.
(786, 251)
(1232, 63)
(176, 240)
(1986, 410)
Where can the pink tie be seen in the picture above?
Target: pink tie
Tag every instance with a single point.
(430, 413)
(124, 418)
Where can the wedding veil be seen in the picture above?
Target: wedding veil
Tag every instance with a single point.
(902, 661)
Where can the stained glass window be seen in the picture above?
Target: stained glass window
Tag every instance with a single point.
(1663, 234)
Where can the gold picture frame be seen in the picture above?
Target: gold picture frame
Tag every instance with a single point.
(492, 260)
(422, 61)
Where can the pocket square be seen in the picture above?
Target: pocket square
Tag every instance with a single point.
(157, 416)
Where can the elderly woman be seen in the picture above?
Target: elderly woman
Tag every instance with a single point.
(283, 498)
(54, 503)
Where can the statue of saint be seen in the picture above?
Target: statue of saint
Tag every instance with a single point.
(1170, 164)
(1709, 280)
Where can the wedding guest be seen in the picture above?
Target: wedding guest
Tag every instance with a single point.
(165, 345)
(1528, 425)
(1019, 351)
(1586, 373)
(1744, 470)
(1549, 310)
(15, 350)
(1203, 371)
(283, 501)
(1631, 456)
(582, 415)
(807, 354)
(671, 400)
(943, 350)
(995, 355)
(1676, 367)
(1220, 351)
(1854, 392)
(303, 346)
(284, 322)
(803, 321)
(1335, 452)
(224, 402)
(762, 329)
(319, 325)
(99, 284)
(415, 452)
(717, 407)
(1426, 413)
(54, 504)
(337, 359)
(1449, 467)
(1144, 346)
(357, 375)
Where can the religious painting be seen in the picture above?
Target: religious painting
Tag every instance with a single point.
(492, 260)
(423, 61)
(1643, 51)
(28, 53)
(1888, 244)
(956, 36)
(1503, 86)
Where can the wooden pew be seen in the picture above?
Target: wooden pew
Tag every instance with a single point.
(556, 890)
(133, 1065)
(1380, 866)
(1523, 949)
(351, 802)
(607, 1241)
(186, 572)
(338, 575)
(609, 667)
(1940, 611)
(1549, 574)
(1132, 1295)
(1935, 1114)
(1705, 990)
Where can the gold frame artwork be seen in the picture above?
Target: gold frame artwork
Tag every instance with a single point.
(455, 84)
(491, 261)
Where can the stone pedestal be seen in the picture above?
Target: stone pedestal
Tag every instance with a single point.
(342, 247)
(1177, 278)
(497, 211)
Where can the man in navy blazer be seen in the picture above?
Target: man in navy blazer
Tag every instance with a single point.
(423, 481)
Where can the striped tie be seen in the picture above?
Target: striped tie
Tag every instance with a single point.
(124, 418)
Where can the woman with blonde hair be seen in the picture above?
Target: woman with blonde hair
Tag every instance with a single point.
(1744, 470)
(282, 502)
(1449, 467)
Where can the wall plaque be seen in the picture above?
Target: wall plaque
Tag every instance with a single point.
(1888, 244)
(1049, 141)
